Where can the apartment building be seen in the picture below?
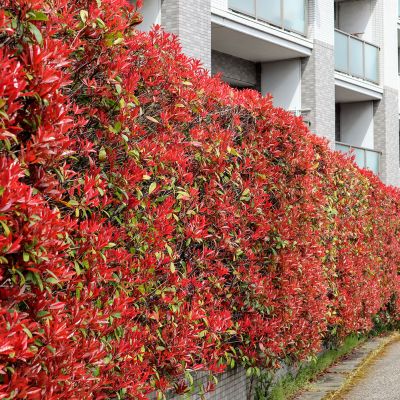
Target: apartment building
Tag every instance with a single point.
(335, 62)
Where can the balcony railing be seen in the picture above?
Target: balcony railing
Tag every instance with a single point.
(356, 57)
(365, 158)
(286, 14)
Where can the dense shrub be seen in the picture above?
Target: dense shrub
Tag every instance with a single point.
(154, 221)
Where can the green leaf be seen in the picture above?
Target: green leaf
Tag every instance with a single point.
(5, 228)
(25, 256)
(102, 154)
(35, 32)
(37, 15)
(27, 331)
(152, 187)
(135, 99)
(118, 41)
(169, 249)
(51, 348)
(100, 23)
(84, 15)
(38, 280)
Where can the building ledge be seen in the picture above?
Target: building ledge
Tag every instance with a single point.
(350, 89)
(247, 38)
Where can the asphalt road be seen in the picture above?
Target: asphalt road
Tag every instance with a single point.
(382, 380)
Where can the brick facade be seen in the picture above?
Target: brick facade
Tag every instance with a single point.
(234, 70)
(318, 90)
(191, 21)
(386, 135)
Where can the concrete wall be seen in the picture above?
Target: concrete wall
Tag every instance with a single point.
(191, 21)
(236, 71)
(283, 80)
(357, 124)
(151, 12)
(357, 17)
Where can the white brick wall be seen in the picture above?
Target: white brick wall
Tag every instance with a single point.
(221, 4)
(191, 21)
(321, 20)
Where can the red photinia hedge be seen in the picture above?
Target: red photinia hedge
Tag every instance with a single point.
(155, 222)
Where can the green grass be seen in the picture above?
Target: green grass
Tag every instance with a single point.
(290, 384)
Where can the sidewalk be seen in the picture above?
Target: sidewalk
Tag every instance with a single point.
(371, 372)
(381, 380)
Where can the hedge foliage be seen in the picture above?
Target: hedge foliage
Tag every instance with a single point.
(155, 222)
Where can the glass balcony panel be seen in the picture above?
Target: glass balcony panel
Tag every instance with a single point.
(356, 63)
(294, 15)
(372, 161)
(270, 11)
(341, 52)
(371, 62)
(359, 157)
(342, 148)
(364, 158)
(244, 6)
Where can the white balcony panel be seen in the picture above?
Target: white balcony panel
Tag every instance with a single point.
(349, 89)
(244, 37)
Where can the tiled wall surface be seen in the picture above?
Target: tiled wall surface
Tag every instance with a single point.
(318, 90)
(191, 21)
(386, 131)
(233, 69)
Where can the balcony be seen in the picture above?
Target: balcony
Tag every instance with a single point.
(286, 14)
(239, 29)
(365, 158)
(356, 57)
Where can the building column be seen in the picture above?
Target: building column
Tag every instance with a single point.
(191, 21)
(318, 82)
(386, 138)
(386, 111)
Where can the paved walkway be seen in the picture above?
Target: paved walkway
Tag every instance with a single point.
(367, 389)
(381, 380)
